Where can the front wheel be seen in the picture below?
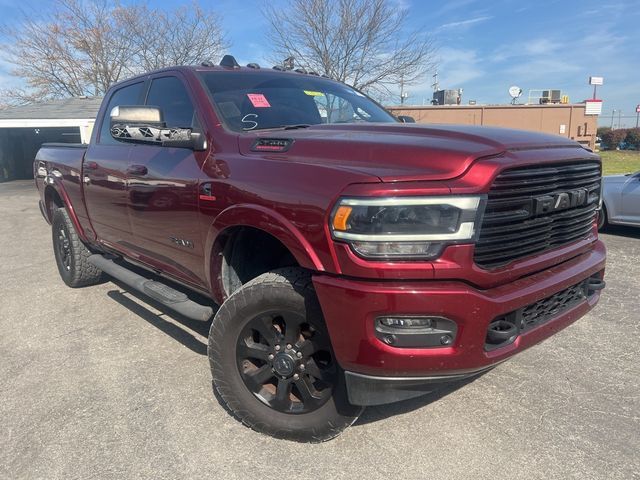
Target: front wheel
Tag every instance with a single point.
(272, 361)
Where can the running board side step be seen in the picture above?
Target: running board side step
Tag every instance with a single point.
(160, 292)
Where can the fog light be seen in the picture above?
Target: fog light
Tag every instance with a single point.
(407, 322)
(416, 331)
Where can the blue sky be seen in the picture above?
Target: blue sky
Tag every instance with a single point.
(484, 47)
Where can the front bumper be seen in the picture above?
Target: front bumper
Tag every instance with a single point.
(351, 306)
(369, 390)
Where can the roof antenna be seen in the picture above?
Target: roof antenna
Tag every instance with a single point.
(229, 61)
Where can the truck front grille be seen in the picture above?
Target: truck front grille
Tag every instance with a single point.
(540, 312)
(536, 208)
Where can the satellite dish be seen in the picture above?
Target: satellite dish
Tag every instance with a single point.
(515, 92)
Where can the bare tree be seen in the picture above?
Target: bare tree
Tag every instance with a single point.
(83, 47)
(359, 42)
(184, 36)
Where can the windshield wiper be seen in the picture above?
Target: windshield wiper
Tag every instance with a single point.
(283, 127)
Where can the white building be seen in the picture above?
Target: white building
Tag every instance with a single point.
(23, 129)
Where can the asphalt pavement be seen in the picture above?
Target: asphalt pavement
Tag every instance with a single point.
(95, 383)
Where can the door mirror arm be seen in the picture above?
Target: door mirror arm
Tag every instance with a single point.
(190, 138)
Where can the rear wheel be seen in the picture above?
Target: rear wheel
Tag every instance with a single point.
(72, 256)
(272, 362)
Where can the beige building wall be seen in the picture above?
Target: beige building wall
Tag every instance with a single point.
(566, 120)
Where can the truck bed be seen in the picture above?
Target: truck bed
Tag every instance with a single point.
(63, 164)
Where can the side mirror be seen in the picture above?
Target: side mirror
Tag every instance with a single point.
(137, 116)
(406, 119)
(145, 124)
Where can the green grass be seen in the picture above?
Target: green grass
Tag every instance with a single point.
(619, 161)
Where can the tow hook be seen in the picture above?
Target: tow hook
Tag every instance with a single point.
(595, 284)
(501, 331)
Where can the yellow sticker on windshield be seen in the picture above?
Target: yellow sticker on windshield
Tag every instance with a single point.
(311, 93)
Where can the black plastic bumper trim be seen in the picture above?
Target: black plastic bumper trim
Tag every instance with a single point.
(368, 390)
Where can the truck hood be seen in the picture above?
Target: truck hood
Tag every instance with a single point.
(400, 152)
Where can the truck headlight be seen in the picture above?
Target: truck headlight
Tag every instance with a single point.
(405, 227)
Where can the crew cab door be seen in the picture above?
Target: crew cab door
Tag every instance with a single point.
(163, 187)
(104, 174)
(630, 211)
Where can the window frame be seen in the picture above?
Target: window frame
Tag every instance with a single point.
(107, 101)
(175, 74)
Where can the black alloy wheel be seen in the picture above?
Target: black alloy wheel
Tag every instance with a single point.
(272, 363)
(64, 246)
(72, 256)
(286, 362)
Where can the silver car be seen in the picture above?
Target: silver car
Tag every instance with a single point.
(621, 200)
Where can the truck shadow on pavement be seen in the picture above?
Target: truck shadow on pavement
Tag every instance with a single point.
(178, 326)
(380, 412)
(168, 322)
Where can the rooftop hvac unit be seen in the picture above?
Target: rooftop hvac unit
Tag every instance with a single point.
(447, 97)
(551, 96)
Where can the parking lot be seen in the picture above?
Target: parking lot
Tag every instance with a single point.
(94, 383)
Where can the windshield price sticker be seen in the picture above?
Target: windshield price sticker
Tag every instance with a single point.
(312, 93)
(258, 100)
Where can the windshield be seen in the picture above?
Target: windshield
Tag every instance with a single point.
(259, 100)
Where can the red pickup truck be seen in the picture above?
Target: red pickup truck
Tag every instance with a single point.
(356, 260)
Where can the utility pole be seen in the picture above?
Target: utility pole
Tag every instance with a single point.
(613, 114)
(619, 116)
(637, 114)
(403, 95)
(436, 86)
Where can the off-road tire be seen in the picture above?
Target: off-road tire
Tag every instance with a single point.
(290, 290)
(72, 256)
